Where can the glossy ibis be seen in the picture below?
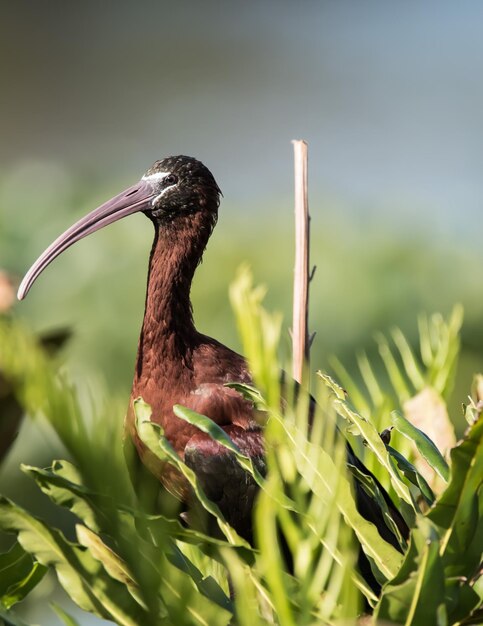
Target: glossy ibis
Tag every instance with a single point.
(175, 363)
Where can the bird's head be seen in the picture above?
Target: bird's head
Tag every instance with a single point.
(170, 191)
(181, 185)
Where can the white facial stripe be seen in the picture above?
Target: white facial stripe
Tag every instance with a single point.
(155, 176)
(159, 196)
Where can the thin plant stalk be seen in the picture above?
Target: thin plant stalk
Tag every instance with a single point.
(300, 333)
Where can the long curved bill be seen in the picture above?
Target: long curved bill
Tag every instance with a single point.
(134, 199)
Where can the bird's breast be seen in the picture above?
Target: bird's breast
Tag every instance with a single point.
(195, 377)
(223, 405)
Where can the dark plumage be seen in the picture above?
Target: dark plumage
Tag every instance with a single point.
(175, 363)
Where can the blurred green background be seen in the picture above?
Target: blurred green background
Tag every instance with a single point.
(389, 97)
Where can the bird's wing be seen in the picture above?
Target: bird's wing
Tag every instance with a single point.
(223, 480)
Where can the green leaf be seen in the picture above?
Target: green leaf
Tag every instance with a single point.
(208, 426)
(417, 594)
(99, 511)
(357, 397)
(410, 364)
(423, 443)
(372, 438)
(249, 392)
(448, 544)
(260, 334)
(461, 599)
(412, 475)
(111, 562)
(269, 536)
(371, 488)
(319, 477)
(63, 615)
(458, 510)
(98, 508)
(63, 485)
(78, 572)
(370, 380)
(331, 384)
(205, 585)
(397, 379)
(473, 410)
(427, 411)
(447, 346)
(19, 574)
(102, 515)
(152, 436)
(248, 592)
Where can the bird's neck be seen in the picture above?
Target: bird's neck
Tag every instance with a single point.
(168, 331)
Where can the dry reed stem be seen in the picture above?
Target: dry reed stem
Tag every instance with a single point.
(300, 333)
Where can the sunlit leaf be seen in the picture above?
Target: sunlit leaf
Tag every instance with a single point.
(206, 585)
(417, 594)
(19, 574)
(424, 444)
(373, 440)
(412, 474)
(152, 436)
(78, 572)
(63, 615)
(112, 563)
(458, 510)
(249, 392)
(208, 426)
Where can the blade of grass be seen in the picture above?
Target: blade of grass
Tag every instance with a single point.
(397, 379)
(410, 364)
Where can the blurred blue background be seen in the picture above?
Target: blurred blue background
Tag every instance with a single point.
(388, 95)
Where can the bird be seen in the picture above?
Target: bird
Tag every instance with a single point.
(175, 363)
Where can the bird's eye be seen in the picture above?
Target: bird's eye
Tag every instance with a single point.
(171, 179)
